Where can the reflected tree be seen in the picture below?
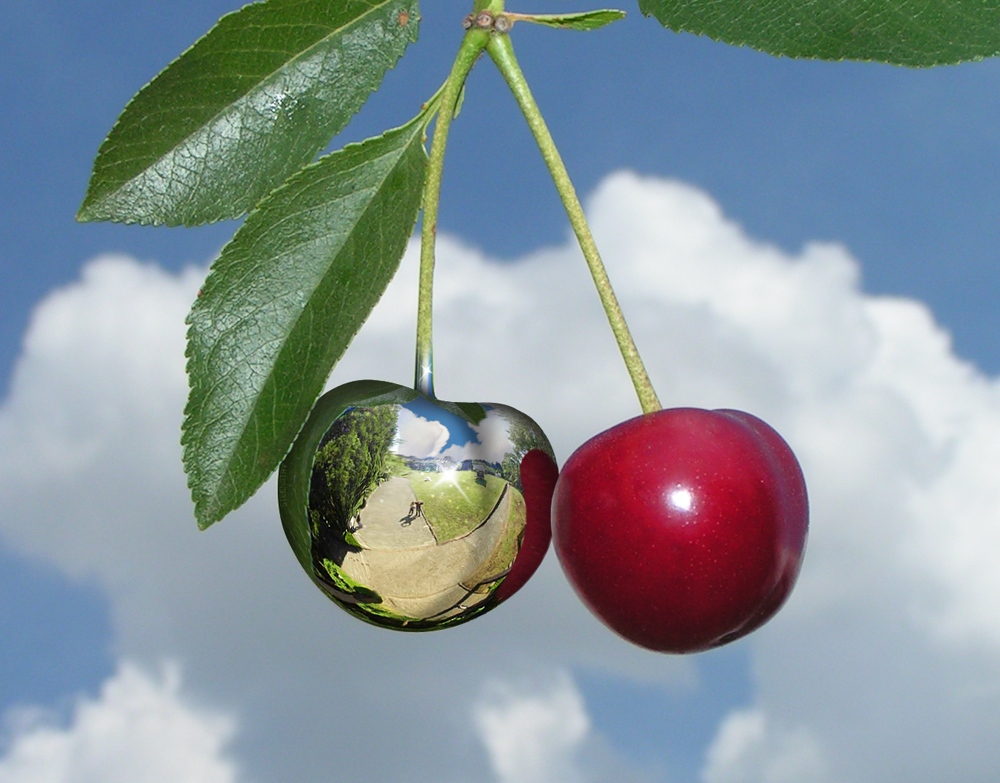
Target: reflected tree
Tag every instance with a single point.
(524, 435)
(350, 463)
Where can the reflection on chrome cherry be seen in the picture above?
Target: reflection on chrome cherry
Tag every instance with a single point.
(416, 514)
(682, 529)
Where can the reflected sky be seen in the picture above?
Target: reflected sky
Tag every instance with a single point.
(459, 431)
(426, 431)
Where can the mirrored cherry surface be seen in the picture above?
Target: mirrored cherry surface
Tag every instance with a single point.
(416, 510)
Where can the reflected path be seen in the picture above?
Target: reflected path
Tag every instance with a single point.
(416, 576)
(380, 519)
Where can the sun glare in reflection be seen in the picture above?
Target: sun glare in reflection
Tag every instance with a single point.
(450, 476)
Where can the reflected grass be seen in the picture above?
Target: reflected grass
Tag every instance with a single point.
(455, 504)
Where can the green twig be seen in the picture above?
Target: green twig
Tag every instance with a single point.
(502, 52)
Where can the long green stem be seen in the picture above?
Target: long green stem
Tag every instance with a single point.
(473, 44)
(502, 52)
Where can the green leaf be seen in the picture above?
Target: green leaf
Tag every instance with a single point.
(902, 32)
(248, 105)
(586, 20)
(282, 303)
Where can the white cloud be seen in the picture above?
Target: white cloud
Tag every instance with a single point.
(140, 729)
(748, 749)
(491, 444)
(90, 481)
(533, 734)
(419, 437)
(885, 665)
(537, 730)
(102, 360)
(493, 437)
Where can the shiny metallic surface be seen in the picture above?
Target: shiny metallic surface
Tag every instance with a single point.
(416, 510)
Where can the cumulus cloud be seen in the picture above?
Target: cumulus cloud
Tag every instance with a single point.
(491, 444)
(884, 666)
(533, 734)
(538, 730)
(748, 749)
(419, 437)
(141, 728)
(90, 480)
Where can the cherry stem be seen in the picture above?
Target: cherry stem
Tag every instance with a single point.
(473, 44)
(502, 52)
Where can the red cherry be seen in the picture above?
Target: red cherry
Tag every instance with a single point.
(682, 529)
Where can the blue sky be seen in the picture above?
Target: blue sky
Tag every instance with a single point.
(894, 163)
(896, 166)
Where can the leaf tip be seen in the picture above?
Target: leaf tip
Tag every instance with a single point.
(85, 214)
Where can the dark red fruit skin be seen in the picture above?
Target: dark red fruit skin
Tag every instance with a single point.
(538, 479)
(673, 579)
